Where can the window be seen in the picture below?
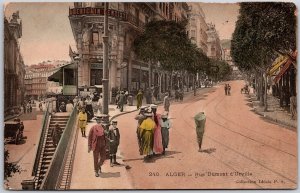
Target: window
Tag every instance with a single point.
(96, 77)
(69, 77)
(95, 38)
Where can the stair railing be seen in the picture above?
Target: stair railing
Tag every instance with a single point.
(57, 165)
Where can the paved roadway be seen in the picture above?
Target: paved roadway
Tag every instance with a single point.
(244, 150)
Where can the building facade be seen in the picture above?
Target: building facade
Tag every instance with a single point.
(197, 26)
(36, 81)
(126, 21)
(214, 49)
(14, 68)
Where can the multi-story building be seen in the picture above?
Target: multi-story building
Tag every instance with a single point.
(36, 80)
(213, 43)
(14, 68)
(126, 21)
(197, 27)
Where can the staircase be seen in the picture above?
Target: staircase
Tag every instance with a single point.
(48, 149)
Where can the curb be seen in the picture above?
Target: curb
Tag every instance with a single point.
(275, 120)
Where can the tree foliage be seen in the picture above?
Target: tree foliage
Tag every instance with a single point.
(263, 30)
(9, 168)
(167, 42)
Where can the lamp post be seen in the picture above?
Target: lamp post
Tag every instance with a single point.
(77, 59)
(105, 68)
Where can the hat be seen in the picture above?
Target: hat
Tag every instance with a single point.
(114, 121)
(148, 113)
(62, 102)
(98, 119)
(164, 115)
(153, 106)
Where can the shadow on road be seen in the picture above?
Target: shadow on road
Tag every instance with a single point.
(168, 154)
(110, 175)
(209, 150)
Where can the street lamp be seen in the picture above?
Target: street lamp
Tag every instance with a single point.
(105, 69)
(77, 60)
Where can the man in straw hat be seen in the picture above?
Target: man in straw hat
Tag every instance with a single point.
(97, 144)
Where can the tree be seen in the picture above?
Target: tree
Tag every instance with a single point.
(262, 31)
(9, 168)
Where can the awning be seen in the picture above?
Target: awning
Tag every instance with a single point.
(58, 75)
(283, 70)
(277, 63)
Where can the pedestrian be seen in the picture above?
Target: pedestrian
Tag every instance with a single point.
(200, 120)
(228, 89)
(140, 118)
(82, 120)
(56, 134)
(157, 140)
(117, 99)
(100, 104)
(89, 108)
(69, 107)
(165, 126)
(97, 144)
(62, 107)
(148, 96)
(80, 104)
(121, 101)
(225, 88)
(176, 95)
(114, 141)
(167, 102)
(40, 106)
(146, 134)
(139, 99)
(181, 94)
(293, 106)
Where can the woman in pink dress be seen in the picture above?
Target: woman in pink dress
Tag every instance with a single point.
(157, 143)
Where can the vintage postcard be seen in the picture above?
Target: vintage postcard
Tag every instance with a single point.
(150, 95)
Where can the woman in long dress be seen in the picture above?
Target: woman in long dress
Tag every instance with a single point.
(157, 143)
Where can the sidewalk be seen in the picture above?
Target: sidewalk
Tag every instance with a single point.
(275, 113)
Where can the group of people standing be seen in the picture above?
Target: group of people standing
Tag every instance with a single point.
(152, 132)
(227, 89)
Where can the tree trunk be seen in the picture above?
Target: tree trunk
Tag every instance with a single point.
(265, 94)
(194, 85)
(159, 88)
(261, 90)
(171, 84)
(188, 82)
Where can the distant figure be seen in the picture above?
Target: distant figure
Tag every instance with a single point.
(82, 120)
(62, 107)
(139, 99)
(167, 102)
(225, 88)
(69, 107)
(89, 108)
(228, 89)
(114, 141)
(41, 106)
(97, 144)
(56, 134)
(121, 101)
(100, 104)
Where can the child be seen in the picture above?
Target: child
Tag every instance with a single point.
(165, 126)
(114, 141)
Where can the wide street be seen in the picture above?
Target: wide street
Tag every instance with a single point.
(243, 150)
